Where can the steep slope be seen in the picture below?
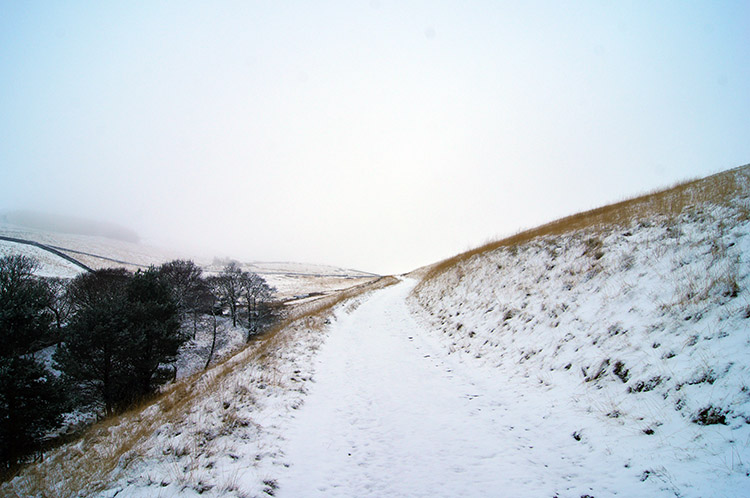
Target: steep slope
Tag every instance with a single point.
(642, 320)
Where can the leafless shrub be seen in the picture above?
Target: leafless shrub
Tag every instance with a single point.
(593, 248)
(620, 371)
(599, 372)
(646, 386)
(711, 415)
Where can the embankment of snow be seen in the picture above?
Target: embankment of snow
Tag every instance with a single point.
(646, 329)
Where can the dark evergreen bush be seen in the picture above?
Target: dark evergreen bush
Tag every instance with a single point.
(121, 333)
(30, 396)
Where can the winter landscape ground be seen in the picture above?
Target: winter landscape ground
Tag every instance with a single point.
(605, 354)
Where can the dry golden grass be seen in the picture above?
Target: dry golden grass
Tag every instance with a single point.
(86, 466)
(719, 189)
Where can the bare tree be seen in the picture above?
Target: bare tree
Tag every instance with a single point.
(233, 285)
(185, 279)
(213, 340)
(212, 300)
(230, 288)
(255, 290)
(59, 303)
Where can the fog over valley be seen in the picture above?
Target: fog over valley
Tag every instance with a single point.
(365, 134)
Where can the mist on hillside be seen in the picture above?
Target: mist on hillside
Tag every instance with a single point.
(60, 223)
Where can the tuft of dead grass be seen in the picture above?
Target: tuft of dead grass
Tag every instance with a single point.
(719, 189)
(86, 466)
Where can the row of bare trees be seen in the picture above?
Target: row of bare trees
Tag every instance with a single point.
(235, 287)
(231, 289)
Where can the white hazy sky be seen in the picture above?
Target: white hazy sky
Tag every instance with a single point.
(381, 135)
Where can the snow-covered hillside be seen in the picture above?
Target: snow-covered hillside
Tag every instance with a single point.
(50, 265)
(637, 337)
(293, 281)
(95, 251)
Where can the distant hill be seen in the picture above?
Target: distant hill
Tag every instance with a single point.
(68, 224)
(293, 281)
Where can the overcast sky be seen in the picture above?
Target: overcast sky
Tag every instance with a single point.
(381, 135)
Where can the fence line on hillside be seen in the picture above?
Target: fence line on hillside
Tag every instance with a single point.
(47, 248)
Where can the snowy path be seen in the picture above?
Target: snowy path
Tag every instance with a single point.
(392, 415)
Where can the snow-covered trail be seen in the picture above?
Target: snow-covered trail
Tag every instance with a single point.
(390, 414)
